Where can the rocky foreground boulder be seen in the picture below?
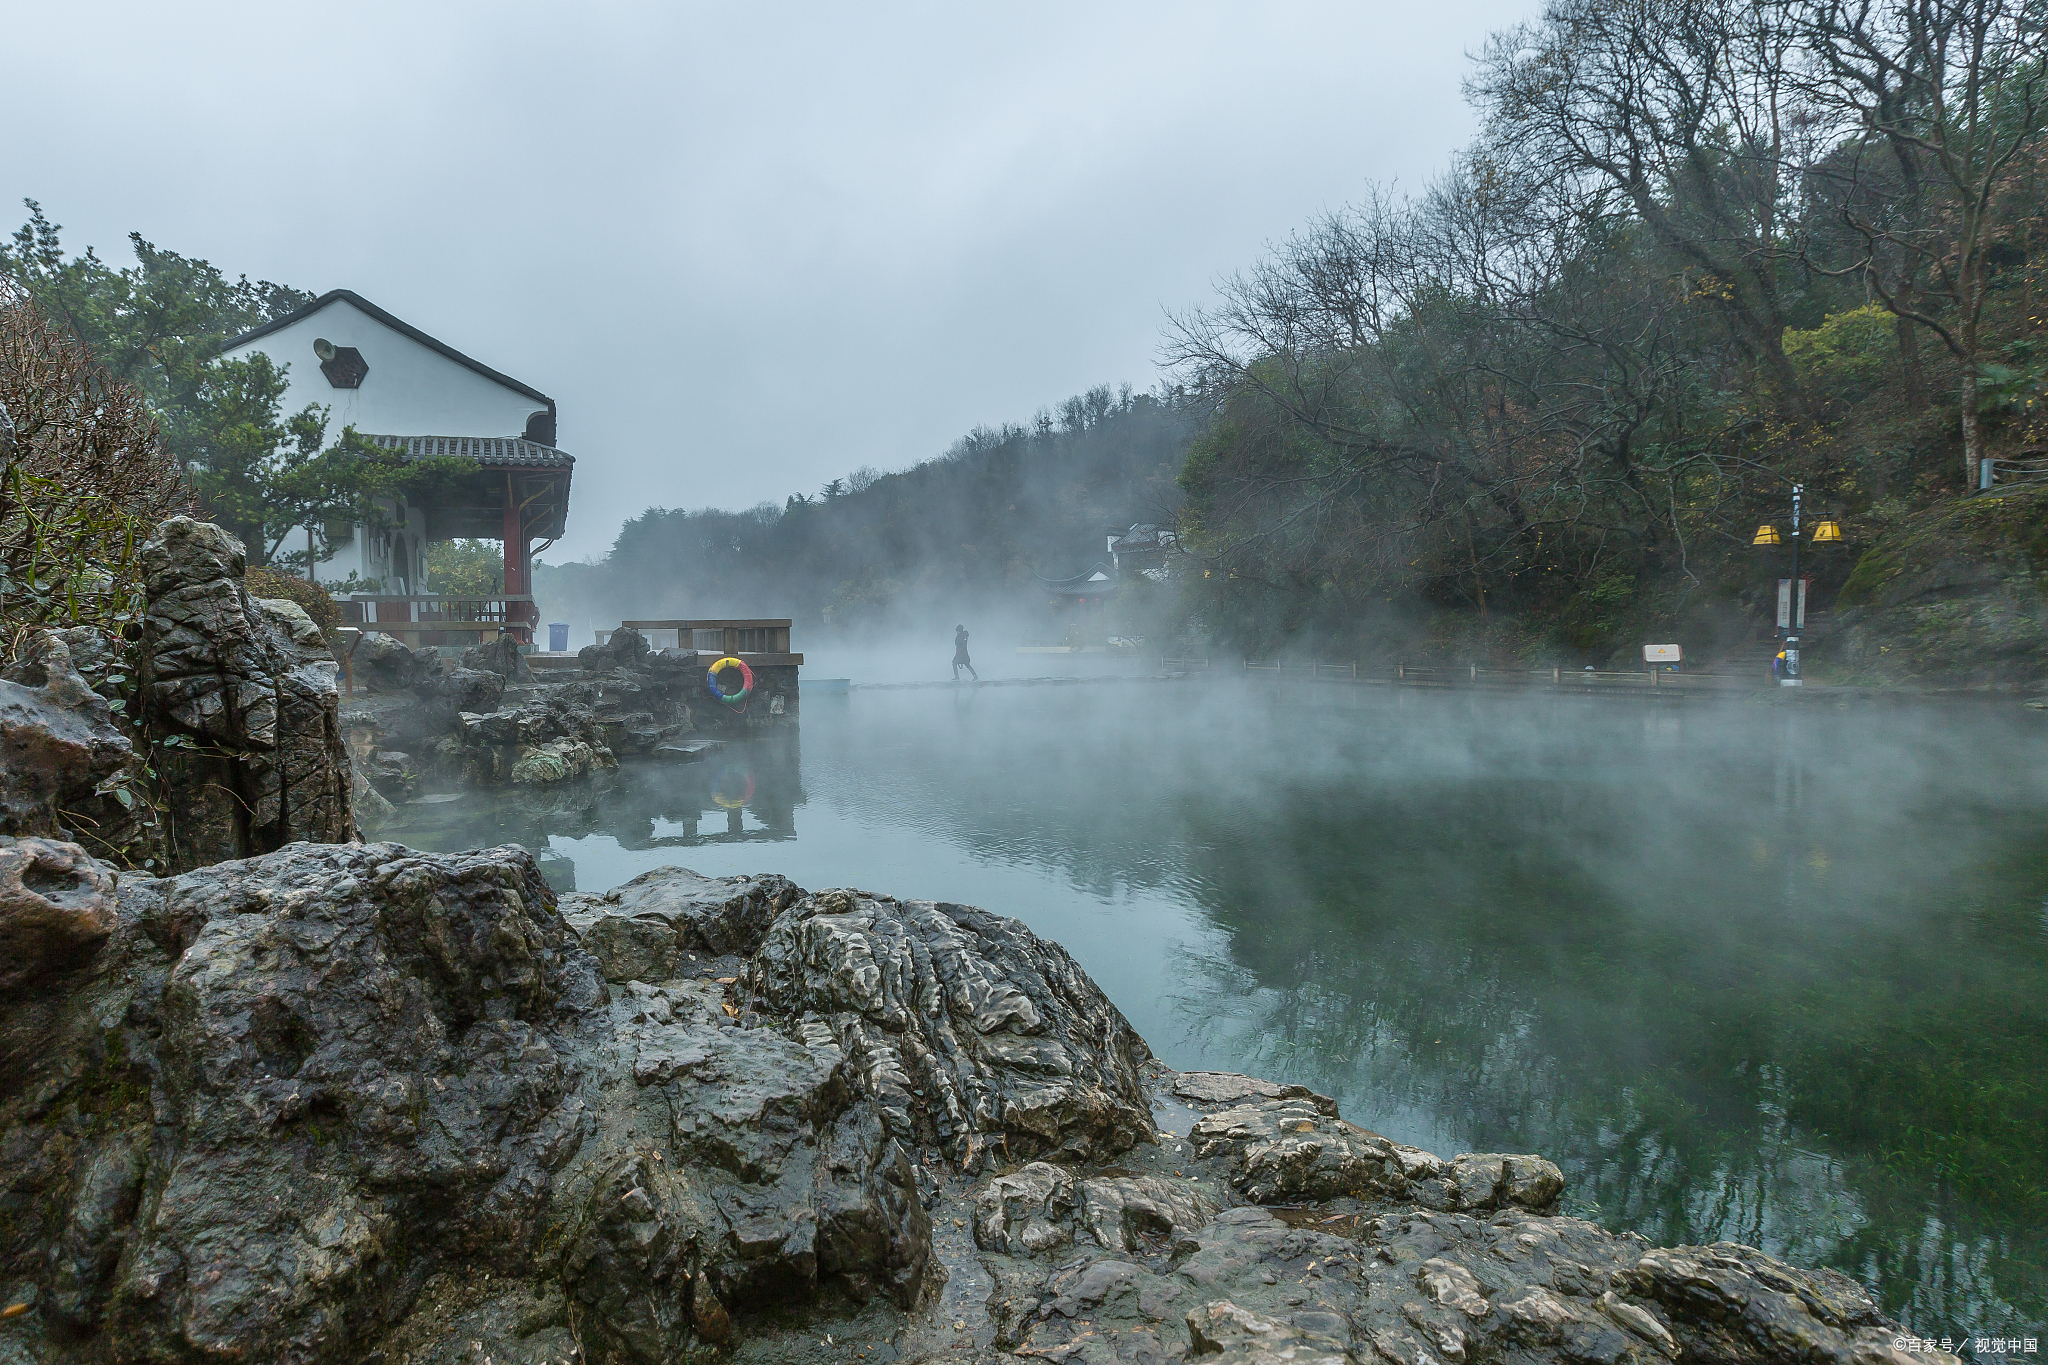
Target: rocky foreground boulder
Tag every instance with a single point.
(59, 744)
(241, 694)
(359, 1103)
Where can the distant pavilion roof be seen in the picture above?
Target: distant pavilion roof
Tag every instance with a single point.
(1098, 581)
(535, 477)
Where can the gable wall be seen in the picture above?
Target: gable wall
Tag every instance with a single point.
(410, 390)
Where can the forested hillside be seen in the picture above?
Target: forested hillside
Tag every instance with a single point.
(972, 526)
(1701, 250)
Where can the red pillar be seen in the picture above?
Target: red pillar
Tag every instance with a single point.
(515, 566)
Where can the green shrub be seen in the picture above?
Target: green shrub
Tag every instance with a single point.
(310, 596)
(1849, 354)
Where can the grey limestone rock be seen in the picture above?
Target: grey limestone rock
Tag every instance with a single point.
(535, 743)
(357, 1051)
(500, 657)
(646, 929)
(300, 1106)
(462, 689)
(965, 1027)
(56, 908)
(1292, 1150)
(58, 741)
(1414, 1287)
(557, 760)
(382, 663)
(729, 1169)
(624, 648)
(1227, 1087)
(1042, 1207)
(354, 1102)
(251, 693)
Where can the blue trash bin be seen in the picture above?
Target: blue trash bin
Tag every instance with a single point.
(558, 637)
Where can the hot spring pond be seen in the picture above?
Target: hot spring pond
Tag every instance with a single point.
(1775, 974)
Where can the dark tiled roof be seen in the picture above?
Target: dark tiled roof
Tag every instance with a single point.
(507, 451)
(400, 326)
(1144, 537)
(1098, 578)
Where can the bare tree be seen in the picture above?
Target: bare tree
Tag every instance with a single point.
(82, 481)
(1680, 107)
(1942, 102)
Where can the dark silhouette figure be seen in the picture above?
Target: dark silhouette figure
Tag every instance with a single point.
(960, 659)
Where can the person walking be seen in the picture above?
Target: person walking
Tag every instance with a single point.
(960, 659)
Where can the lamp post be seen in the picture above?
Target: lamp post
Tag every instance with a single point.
(1792, 591)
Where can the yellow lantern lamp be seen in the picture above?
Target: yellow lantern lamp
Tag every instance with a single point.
(1767, 535)
(1828, 533)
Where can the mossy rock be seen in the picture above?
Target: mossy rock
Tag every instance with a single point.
(1955, 595)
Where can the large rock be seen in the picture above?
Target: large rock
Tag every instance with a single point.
(624, 648)
(536, 743)
(967, 1028)
(56, 908)
(355, 1103)
(462, 689)
(501, 657)
(558, 760)
(382, 664)
(58, 741)
(651, 927)
(1413, 1287)
(300, 1106)
(726, 1169)
(1297, 1151)
(244, 694)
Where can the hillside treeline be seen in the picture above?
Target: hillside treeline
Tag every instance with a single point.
(974, 525)
(1700, 250)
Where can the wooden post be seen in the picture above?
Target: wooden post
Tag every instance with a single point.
(515, 568)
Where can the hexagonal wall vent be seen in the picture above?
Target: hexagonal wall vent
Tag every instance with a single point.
(345, 368)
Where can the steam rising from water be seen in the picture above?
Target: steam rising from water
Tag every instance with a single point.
(1767, 972)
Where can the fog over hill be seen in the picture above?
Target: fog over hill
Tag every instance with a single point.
(963, 533)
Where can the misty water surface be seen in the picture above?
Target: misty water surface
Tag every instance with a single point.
(1773, 974)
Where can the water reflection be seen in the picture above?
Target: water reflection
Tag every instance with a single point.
(743, 793)
(1768, 974)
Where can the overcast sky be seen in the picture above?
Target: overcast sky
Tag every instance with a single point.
(746, 247)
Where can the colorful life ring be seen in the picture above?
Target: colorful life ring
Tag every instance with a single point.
(738, 698)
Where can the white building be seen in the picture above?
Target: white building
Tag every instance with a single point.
(418, 395)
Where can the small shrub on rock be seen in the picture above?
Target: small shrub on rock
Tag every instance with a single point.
(313, 599)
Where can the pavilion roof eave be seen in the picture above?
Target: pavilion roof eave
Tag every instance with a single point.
(538, 477)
